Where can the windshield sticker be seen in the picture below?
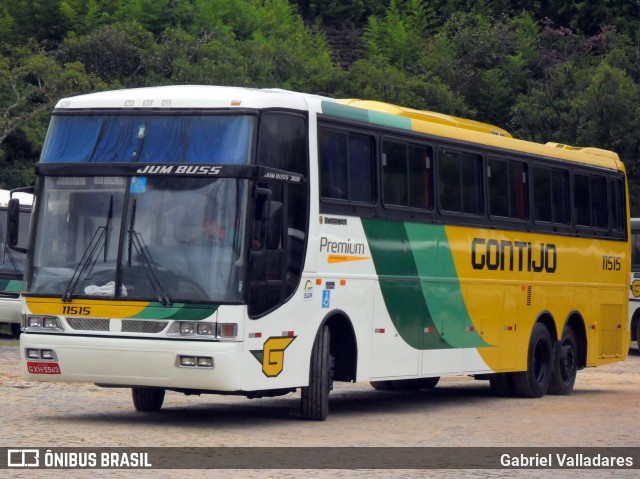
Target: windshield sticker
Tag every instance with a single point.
(138, 184)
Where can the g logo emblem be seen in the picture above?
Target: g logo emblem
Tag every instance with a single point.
(272, 355)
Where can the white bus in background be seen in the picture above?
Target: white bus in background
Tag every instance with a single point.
(634, 289)
(12, 262)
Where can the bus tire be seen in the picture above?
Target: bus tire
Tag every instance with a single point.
(502, 384)
(565, 365)
(638, 334)
(315, 397)
(534, 382)
(147, 399)
(16, 330)
(414, 384)
(381, 385)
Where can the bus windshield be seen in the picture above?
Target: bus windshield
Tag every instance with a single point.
(167, 240)
(149, 139)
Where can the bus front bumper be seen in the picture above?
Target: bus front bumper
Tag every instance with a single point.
(178, 364)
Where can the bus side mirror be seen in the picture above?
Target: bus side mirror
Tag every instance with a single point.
(13, 225)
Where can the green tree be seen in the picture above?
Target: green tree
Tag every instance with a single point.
(31, 82)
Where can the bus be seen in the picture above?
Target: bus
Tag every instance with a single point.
(634, 288)
(12, 264)
(203, 239)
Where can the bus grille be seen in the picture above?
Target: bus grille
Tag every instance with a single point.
(132, 326)
(89, 324)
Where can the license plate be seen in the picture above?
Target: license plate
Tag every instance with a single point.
(43, 368)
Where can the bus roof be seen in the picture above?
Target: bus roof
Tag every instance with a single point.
(375, 112)
(185, 96)
(431, 116)
(446, 126)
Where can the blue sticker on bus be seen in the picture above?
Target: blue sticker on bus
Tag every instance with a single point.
(138, 184)
(326, 298)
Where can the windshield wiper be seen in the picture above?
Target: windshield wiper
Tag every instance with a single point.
(86, 263)
(14, 263)
(136, 242)
(89, 256)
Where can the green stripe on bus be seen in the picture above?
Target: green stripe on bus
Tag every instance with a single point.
(343, 111)
(179, 311)
(419, 284)
(362, 115)
(443, 295)
(400, 284)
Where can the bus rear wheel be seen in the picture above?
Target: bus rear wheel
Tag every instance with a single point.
(147, 399)
(565, 365)
(534, 382)
(315, 397)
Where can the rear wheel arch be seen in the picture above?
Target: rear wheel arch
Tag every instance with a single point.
(575, 322)
(546, 318)
(344, 347)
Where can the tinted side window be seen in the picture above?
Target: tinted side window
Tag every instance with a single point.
(346, 165)
(282, 142)
(590, 200)
(550, 195)
(459, 182)
(406, 174)
(508, 189)
(618, 206)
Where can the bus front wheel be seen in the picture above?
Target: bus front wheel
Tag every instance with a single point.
(315, 397)
(16, 330)
(565, 365)
(534, 382)
(147, 399)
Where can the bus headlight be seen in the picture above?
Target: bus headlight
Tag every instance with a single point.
(187, 329)
(205, 328)
(46, 354)
(50, 323)
(33, 353)
(197, 329)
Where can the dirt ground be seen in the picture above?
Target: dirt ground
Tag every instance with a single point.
(604, 410)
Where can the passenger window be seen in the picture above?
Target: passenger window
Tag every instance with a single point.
(590, 201)
(508, 189)
(346, 166)
(618, 206)
(550, 195)
(459, 182)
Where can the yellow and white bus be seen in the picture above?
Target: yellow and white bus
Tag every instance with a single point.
(206, 239)
(634, 289)
(12, 262)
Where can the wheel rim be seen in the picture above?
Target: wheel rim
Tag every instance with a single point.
(567, 361)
